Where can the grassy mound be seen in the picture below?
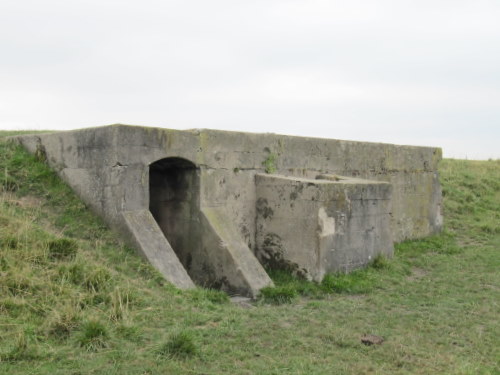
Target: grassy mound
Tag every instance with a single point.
(75, 300)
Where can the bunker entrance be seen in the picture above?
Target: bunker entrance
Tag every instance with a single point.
(174, 186)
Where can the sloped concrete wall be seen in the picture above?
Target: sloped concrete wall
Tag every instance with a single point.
(150, 241)
(226, 262)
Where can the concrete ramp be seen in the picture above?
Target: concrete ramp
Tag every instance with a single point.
(149, 239)
(231, 259)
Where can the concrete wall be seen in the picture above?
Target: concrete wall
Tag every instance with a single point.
(109, 168)
(412, 171)
(100, 162)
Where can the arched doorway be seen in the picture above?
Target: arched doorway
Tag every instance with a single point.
(174, 201)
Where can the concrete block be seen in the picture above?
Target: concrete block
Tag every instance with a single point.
(313, 227)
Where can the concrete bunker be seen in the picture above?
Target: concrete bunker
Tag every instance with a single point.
(174, 202)
(201, 206)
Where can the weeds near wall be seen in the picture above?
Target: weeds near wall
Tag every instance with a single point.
(279, 294)
(288, 287)
(270, 163)
(203, 295)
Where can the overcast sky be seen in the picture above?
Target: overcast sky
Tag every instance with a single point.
(398, 71)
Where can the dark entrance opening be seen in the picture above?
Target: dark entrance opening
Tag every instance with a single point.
(174, 201)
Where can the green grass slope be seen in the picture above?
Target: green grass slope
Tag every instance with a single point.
(74, 300)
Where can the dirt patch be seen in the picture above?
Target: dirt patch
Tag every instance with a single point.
(417, 273)
(243, 302)
(355, 297)
(24, 202)
(286, 325)
(372, 339)
(30, 202)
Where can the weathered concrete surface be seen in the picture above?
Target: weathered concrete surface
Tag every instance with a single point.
(149, 240)
(100, 162)
(109, 167)
(331, 224)
(233, 265)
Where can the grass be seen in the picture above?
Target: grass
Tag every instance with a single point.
(62, 248)
(280, 294)
(93, 336)
(74, 300)
(180, 345)
(287, 287)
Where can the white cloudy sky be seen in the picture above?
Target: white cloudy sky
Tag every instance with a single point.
(411, 72)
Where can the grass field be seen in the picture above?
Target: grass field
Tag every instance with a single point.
(74, 300)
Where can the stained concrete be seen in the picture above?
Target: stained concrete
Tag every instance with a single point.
(119, 168)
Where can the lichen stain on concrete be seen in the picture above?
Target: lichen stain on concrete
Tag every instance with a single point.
(263, 208)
